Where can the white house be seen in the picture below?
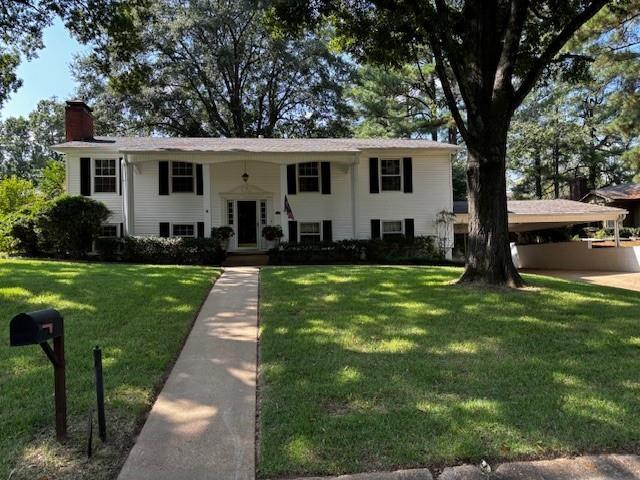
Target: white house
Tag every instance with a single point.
(336, 188)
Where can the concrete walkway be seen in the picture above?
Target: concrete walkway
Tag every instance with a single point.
(625, 280)
(202, 425)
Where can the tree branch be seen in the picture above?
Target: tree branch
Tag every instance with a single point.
(511, 45)
(554, 48)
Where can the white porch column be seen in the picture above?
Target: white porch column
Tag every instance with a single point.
(616, 232)
(206, 198)
(354, 200)
(127, 198)
(284, 221)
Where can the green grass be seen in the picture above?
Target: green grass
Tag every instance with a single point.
(139, 315)
(368, 368)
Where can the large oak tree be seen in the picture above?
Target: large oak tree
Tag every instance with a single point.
(217, 67)
(493, 52)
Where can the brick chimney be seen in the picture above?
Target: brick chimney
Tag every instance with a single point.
(78, 121)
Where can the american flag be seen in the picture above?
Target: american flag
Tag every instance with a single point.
(287, 208)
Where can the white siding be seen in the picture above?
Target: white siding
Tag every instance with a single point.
(113, 201)
(150, 208)
(432, 193)
(316, 207)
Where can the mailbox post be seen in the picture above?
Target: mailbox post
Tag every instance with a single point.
(37, 328)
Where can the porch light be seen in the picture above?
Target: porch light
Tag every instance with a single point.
(245, 175)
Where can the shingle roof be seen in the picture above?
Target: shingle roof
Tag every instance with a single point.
(629, 191)
(545, 207)
(253, 145)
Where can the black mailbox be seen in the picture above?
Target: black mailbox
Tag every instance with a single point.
(35, 327)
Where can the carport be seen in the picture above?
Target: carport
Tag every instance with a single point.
(532, 215)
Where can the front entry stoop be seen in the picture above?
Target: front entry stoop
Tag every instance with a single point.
(252, 259)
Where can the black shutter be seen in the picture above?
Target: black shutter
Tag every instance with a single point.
(120, 176)
(163, 178)
(327, 233)
(374, 182)
(375, 229)
(200, 230)
(325, 173)
(407, 173)
(199, 188)
(293, 231)
(409, 228)
(165, 229)
(291, 179)
(85, 176)
(122, 229)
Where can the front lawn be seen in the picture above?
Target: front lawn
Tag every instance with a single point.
(138, 314)
(374, 368)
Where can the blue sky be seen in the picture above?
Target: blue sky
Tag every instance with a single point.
(47, 75)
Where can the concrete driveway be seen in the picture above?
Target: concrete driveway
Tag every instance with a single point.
(625, 280)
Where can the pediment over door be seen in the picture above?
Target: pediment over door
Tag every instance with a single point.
(246, 190)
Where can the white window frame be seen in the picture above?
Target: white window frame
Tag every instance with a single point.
(192, 177)
(382, 232)
(380, 174)
(298, 175)
(182, 224)
(94, 165)
(300, 233)
(264, 212)
(230, 213)
(117, 227)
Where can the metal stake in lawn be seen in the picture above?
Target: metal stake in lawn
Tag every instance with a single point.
(97, 365)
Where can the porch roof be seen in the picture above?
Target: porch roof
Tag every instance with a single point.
(251, 145)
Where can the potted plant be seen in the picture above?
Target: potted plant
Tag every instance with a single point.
(272, 234)
(222, 234)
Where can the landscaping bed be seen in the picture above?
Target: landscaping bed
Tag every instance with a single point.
(375, 368)
(139, 315)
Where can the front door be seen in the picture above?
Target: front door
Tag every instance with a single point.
(247, 231)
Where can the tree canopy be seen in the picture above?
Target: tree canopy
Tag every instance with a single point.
(217, 67)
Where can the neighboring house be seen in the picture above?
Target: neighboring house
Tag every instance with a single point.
(183, 187)
(622, 196)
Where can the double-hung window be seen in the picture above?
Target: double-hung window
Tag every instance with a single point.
(104, 178)
(391, 228)
(309, 177)
(183, 230)
(310, 232)
(108, 231)
(390, 176)
(181, 177)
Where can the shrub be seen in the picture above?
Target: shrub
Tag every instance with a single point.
(69, 225)
(15, 193)
(158, 250)
(222, 233)
(397, 250)
(272, 232)
(19, 231)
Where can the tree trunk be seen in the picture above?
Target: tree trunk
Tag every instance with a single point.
(556, 169)
(489, 259)
(538, 176)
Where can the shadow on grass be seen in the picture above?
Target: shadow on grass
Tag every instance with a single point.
(138, 314)
(367, 368)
